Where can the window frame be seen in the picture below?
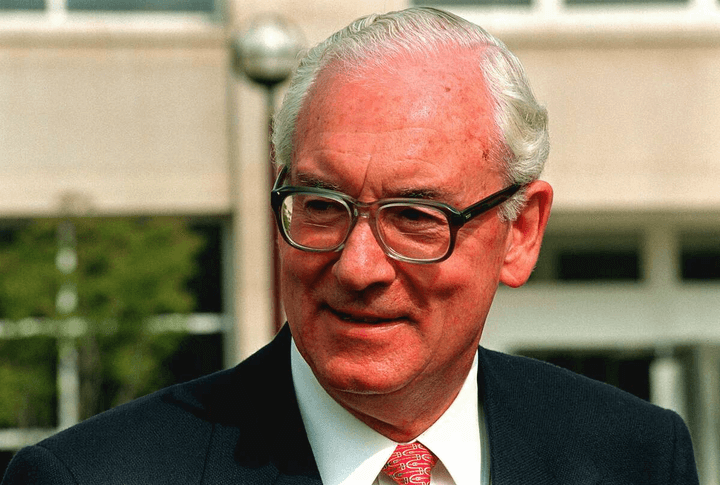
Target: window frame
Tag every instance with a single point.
(58, 20)
(554, 20)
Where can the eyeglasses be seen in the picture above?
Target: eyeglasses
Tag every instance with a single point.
(410, 230)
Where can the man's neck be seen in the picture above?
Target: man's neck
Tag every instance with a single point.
(405, 414)
(347, 451)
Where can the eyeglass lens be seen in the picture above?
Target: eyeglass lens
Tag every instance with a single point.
(413, 231)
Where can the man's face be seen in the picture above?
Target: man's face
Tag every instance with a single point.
(366, 323)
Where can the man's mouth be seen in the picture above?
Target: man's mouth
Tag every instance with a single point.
(363, 319)
(350, 318)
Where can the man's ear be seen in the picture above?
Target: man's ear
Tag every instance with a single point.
(525, 235)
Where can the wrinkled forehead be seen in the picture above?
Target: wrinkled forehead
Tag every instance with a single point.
(445, 73)
(443, 97)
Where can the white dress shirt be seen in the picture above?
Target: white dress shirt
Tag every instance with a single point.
(349, 452)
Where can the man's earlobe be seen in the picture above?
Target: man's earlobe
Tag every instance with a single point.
(526, 233)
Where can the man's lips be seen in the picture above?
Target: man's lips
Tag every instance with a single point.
(365, 317)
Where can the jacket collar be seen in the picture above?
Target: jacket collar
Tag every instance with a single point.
(522, 425)
(258, 434)
(258, 417)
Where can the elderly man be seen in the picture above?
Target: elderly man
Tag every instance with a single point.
(411, 146)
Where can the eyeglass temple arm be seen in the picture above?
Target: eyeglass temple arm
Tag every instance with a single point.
(491, 201)
(280, 177)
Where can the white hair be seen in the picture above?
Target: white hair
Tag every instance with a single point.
(421, 32)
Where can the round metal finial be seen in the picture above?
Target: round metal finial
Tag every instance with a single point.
(267, 51)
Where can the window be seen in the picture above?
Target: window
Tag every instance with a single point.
(154, 255)
(28, 398)
(623, 2)
(490, 3)
(627, 371)
(22, 4)
(61, 6)
(700, 256)
(484, 3)
(5, 457)
(589, 256)
(142, 5)
(585, 17)
(206, 283)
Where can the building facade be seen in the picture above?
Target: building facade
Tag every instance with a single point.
(134, 108)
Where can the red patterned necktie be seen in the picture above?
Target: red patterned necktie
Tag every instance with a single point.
(410, 463)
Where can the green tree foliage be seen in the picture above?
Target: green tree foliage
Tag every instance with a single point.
(128, 270)
(28, 278)
(27, 382)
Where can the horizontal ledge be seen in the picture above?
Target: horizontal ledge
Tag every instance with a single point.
(592, 27)
(144, 32)
(195, 323)
(15, 438)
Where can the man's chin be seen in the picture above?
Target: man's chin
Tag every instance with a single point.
(361, 385)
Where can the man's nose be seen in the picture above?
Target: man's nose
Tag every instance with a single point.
(362, 261)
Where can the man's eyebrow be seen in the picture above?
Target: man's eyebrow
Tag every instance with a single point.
(307, 180)
(421, 193)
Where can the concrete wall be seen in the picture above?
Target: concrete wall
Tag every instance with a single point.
(121, 123)
(119, 117)
(145, 116)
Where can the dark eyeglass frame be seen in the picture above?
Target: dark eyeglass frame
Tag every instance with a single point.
(456, 218)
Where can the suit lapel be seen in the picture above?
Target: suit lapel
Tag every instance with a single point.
(259, 437)
(258, 434)
(514, 457)
(520, 451)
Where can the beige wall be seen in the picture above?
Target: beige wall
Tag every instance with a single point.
(129, 124)
(632, 127)
(140, 122)
(150, 119)
(147, 117)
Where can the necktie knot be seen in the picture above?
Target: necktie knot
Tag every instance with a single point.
(410, 464)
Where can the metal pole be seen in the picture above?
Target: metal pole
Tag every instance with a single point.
(278, 314)
(266, 54)
(68, 376)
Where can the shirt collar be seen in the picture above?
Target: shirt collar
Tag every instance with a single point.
(347, 451)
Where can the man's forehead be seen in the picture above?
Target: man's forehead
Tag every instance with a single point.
(414, 102)
(453, 77)
(418, 121)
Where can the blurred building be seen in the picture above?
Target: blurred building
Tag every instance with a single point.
(131, 107)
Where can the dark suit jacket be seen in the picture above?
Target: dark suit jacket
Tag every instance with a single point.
(242, 426)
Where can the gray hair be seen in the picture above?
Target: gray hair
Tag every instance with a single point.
(420, 32)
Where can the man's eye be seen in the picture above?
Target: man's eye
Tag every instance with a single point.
(320, 205)
(410, 218)
(421, 215)
(414, 214)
